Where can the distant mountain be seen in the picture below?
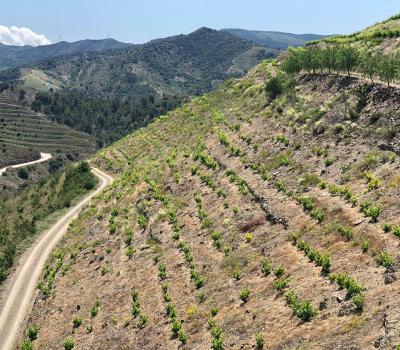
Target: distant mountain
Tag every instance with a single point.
(19, 56)
(275, 40)
(179, 65)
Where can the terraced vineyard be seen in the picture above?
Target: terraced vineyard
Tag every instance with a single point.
(24, 133)
(235, 217)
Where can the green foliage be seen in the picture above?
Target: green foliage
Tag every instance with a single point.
(32, 332)
(77, 321)
(244, 295)
(384, 259)
(359, 301)
(365, 246)
(274, 87)
(345, 232)
(279, 271)
(69, 344)
(281, 284)
(26, 345)
(266, 267)
(348, 283)
(260, 340)
(214, 311)
(345, 58)
(301, 308)
(142, 320)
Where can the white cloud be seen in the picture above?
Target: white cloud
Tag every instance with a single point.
(21, 36)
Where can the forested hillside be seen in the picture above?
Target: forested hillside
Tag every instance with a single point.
(277, 191)
(184, 64)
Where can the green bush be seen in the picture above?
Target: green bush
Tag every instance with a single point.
(26, 345)
(69, 344)
(279, 271)
(214, 311)
(359, 300)
(345, 232)
(384, 259)
(281, 284)
(77, 321)
(244, 295)
(301, 308)
(365, 246)
(142, 320)
(266, 267)
(260, 340)
(33, 332)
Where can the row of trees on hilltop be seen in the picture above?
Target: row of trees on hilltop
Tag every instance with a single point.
(343, 58)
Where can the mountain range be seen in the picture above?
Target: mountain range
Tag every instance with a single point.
(275, 40)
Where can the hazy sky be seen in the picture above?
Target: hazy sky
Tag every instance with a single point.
(139, 21)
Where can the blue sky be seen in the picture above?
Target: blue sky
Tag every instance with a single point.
(139, 21)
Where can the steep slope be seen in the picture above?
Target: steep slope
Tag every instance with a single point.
(183, 64)
(20, 56)
(275, 40)
(268, 204)
(21, 127)
(223, 207)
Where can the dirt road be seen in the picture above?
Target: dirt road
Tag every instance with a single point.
(43, 158)
(22, 288)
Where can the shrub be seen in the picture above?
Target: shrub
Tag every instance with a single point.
(396, 231)
(176, 327)
(345, 232)
(248, 237)
(373, 211)
(385, 259)
(26, 345)
(349, 283)
(162, 271)
(142, 320)
(260, 340)
(365, 246)
(23, 174)
(244, 295)
(274, 87)
(214, 311)
(69, 344)
(281, 284)
(182, 337)
(129, 252)
(279, 271)
(388, 227)
(283, 139)
(33, 332)
(237, 274)
(77, 321)
(358, 300)
(266, 267)
(89, 328)
(302, 309)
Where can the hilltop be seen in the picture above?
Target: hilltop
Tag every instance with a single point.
(267, 204)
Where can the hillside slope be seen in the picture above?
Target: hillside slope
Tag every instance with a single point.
(21, 56)
(235, 204)
(184, 64)
(275, 40)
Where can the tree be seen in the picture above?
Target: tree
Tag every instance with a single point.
(368, 64)
(329, 57)
(387, 67)
(348, 57)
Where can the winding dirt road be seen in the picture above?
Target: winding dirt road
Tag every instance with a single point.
(19, 296)
(43, 157)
